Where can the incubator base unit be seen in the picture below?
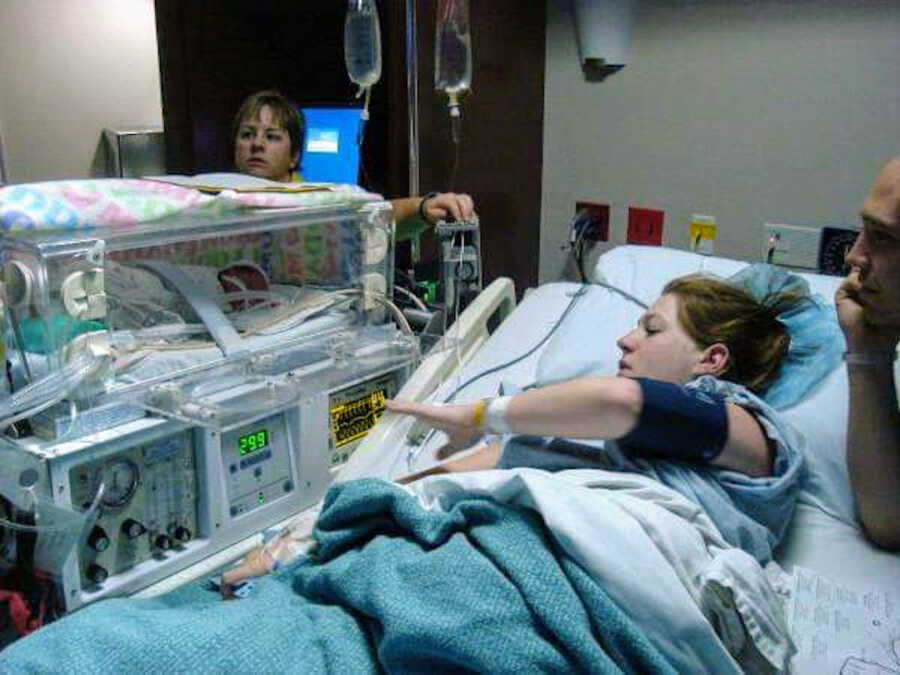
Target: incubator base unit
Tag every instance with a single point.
(174, 494)
(177, 383)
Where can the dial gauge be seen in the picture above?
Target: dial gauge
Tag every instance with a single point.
(836, 244)
(120, 480)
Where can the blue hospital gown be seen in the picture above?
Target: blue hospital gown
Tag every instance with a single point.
(752, 513)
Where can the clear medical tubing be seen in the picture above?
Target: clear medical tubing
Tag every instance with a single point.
(453, 49)
(48, 390)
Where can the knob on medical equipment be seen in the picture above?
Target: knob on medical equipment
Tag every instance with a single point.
(132, 529)
(82, 294)
(18, 281)
(163, 542)
(183, 534)
(98, 539)
(96, 573)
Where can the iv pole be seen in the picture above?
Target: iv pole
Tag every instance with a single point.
(412, 86)
(3, 179)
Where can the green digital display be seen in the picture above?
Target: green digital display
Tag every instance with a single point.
(255, 440)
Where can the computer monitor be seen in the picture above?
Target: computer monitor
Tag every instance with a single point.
(330, 152)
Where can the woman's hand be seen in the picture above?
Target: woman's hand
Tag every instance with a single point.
(439, 207)
(257, 563)
(456, 420)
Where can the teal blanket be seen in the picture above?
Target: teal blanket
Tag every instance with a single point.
(393, 586)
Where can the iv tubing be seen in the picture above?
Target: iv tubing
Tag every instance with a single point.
(48, 390)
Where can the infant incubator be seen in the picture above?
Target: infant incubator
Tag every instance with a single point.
(178, 383)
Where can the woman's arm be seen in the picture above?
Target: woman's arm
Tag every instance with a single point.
(748, 448)
(597, 407)
(482, 458)
(443, 206)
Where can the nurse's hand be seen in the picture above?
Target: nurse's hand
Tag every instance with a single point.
(456, 420)
(448, 206)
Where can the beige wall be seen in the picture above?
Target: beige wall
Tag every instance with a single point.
(68, 69)
(769, 110)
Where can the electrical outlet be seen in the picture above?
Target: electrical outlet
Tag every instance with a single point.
(597, 226)
(645, 226)
(791, 245)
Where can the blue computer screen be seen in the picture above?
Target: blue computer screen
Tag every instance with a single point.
(330, 153)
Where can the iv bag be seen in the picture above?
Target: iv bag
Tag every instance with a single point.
(362, 43)
(453, 48)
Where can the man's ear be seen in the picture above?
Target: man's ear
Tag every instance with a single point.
(714, 360)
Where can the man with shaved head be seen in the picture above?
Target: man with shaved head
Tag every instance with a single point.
(868, 305)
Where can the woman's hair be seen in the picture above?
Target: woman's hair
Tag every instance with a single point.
(712, 310)
(283, 113)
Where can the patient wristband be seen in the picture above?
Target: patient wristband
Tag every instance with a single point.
(489, 415)
(478, 414)
(677, 423)
(873, 358)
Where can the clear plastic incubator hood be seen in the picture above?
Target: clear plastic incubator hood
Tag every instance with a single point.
(184, 369)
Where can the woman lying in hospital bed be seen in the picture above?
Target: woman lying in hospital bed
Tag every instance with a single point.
(684, 592)
(683, 407)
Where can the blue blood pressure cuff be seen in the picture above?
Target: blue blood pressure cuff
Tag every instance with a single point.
(677, 423)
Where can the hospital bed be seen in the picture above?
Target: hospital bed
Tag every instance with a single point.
(548, 338)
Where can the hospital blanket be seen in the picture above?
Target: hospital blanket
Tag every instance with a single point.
(123, 203)
(480, 586)
(708, 606)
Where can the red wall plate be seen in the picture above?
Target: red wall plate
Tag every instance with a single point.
(645, 226)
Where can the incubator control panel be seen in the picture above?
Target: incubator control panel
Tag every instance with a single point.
(148, 505)
(353, 411)
(257, 462)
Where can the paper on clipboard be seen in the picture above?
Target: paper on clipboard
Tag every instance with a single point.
(842, 629)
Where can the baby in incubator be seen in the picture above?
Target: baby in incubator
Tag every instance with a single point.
(139, 298)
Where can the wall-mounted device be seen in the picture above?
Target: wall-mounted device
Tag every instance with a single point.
(132, 153)
(836, 244)
(818, 248)
(603, 29)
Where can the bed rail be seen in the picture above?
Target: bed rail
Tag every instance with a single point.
(471, 329)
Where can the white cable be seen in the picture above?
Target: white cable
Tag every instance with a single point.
(457, 293)
(416, 300)
(398, 315)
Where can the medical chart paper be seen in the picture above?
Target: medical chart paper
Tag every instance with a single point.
(842, 629)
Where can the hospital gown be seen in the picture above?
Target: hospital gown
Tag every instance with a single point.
(752, 513)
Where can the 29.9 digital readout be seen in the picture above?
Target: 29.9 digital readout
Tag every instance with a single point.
(255, 440)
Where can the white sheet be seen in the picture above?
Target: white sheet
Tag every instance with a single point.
(657, 554)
